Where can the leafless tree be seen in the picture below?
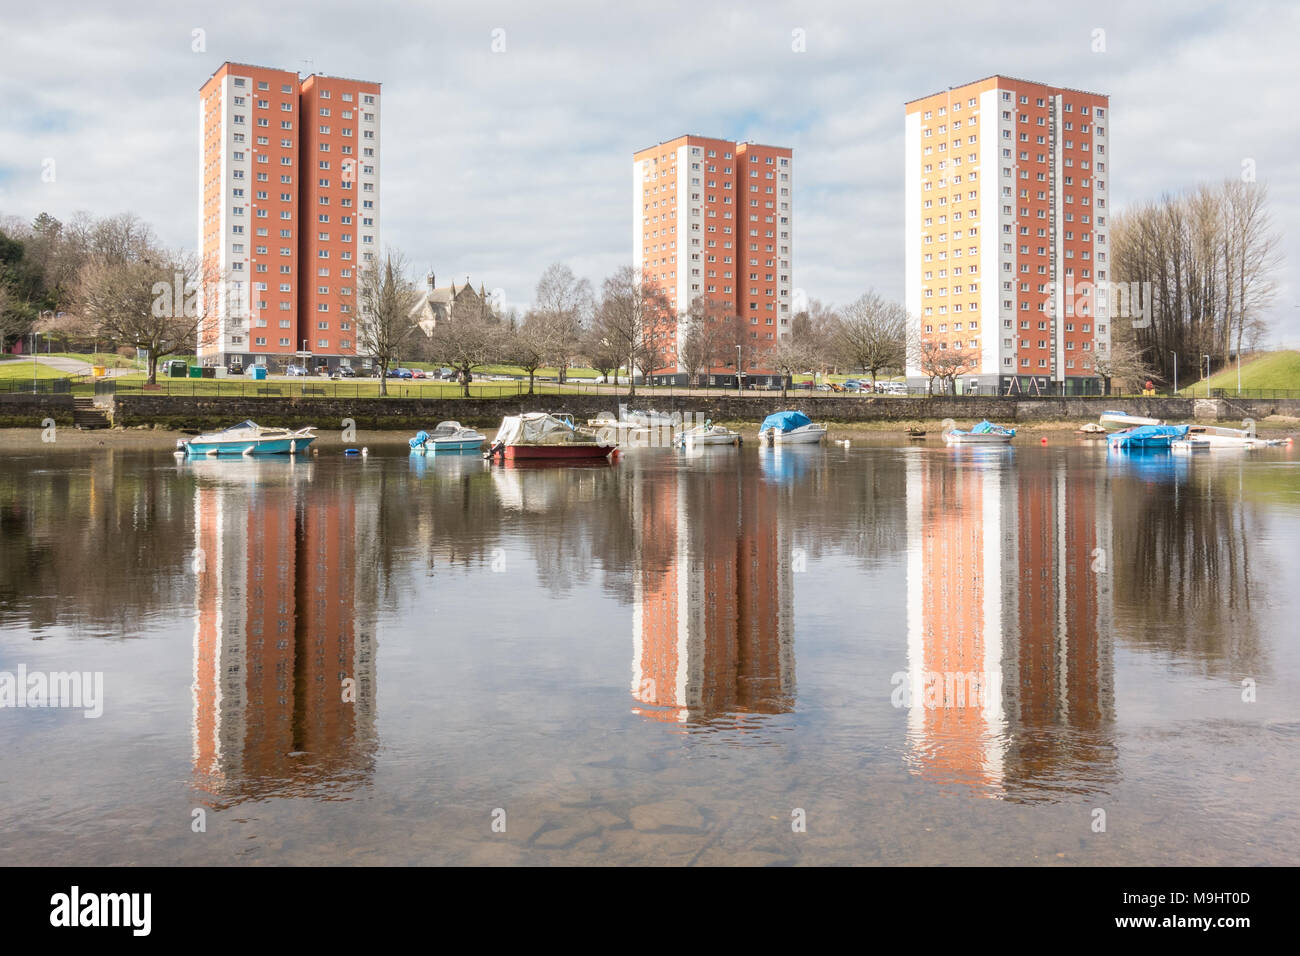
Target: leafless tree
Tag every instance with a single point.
(708, 328)
(1209, 257)
(134, 294)
(386, 297)
(872, 334)
(563, 305)
(634, 317)
(470, 340)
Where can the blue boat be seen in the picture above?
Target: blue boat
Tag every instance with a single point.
(248, 439)
(1146, 438)
(985, 433)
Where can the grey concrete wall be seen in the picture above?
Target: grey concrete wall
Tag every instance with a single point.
(18, 410)
(399, 413)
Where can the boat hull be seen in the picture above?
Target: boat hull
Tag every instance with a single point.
(983, 439)
(572, 451)
(800, 436)
(248, 447)
(454, 444)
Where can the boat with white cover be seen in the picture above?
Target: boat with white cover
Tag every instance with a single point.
(706, 434)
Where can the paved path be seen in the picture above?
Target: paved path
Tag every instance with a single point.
(77, 367)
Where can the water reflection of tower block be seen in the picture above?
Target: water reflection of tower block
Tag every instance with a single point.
(712, 615)
(282, 621)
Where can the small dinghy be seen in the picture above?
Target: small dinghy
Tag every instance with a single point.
(985, 433)
(706, 434)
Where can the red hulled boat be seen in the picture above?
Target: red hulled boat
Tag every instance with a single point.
(536, 436)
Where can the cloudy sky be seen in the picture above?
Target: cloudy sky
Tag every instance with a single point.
(496, 163)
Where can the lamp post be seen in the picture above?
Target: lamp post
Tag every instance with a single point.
(737, 371)
(1175, 355)
(1207, 375)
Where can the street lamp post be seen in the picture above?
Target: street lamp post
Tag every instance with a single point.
(737, 371)
(1175, 355)
(1207, 375)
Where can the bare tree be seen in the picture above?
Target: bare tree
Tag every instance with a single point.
(791, 353)
(563, 303)
(1209, 259)
(386, 297)
(872, 334)
(634, 317)
(708, 326)
(137, 295)
(532, 343)
(818, 325)
(470, 340)
(941, 364)
(598, 350)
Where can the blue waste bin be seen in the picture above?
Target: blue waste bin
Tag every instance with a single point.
(259, 372)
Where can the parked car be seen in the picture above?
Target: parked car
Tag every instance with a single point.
(399, 373)
(418, 373)
(823, 387)
(235, 368)
(807, 385)
(295, 370)
(347, 371)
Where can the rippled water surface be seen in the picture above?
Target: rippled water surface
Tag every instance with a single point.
(877, 654)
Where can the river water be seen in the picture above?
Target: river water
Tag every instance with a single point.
(876, 654)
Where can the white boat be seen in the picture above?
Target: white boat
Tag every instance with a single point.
(985, 433)
(1218, 437)
(248, 438)
(706, 434)
(790, 428)
(448, 436)
(1187, 446)
(1114, 421)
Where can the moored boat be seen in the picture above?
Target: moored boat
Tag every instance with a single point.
(985, 433)
(1146, 438)
(1113, 420)
(706, 434)
(790, 428)
(540, 435)
(448, 436)
(249, 439)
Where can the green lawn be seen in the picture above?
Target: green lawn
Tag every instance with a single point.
(19, 369)
(1272, 370)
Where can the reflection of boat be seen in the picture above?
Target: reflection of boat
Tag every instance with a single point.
(707, 434)
(539, 435)
(1189, 445)
(448, 436)
(790, 428)
(248, 438)
(985, 433)
(1146, 438)
(1113, 420)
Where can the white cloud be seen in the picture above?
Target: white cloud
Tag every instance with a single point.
(495, 164)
